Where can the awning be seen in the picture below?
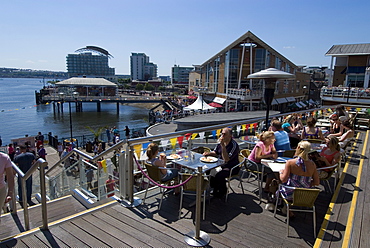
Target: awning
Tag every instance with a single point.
(311, 101)
(219, 100)
(290, 99)
(293, 105)
(281, 100)
(215, 104)
(298, 105)
(303, 105)
(274, 102)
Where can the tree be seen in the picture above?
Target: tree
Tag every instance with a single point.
(139, 87)
(148, 87)
(96, 132)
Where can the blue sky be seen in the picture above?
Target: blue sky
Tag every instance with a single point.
(39, 34)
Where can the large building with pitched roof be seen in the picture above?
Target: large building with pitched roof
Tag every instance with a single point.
(225, 74)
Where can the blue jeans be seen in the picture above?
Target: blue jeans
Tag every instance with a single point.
(28, 189)
(170, 175)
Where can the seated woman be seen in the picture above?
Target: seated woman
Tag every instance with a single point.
(310, 131)
(299, 172)
(329, 156)
(264, 149)
(348, 134)
(152, 153)
(292, 125)
(336, 128)
(331, 153)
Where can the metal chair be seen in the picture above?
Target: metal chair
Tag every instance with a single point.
(257, 173)
(154, 172)
(302, 198)
(190, 188)
(325, 175)
(245, 152)
(235, 176)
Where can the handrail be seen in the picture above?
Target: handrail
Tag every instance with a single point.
(39, 163)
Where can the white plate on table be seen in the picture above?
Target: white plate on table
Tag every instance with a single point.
(173, 157)
(208, 159)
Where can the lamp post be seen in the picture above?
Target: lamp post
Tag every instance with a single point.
(270, 75)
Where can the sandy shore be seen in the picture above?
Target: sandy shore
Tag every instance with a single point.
(147, 105)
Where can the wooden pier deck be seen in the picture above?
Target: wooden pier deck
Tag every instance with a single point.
(241, 222)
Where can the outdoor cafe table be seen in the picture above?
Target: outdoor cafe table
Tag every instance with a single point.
(250, 140)
(275, 165)
(191, 160)
(323, 124)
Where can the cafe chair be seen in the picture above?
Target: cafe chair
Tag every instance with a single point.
(303, 201)
(289, 153)
(237, 176)
(201, 149)
(325, 174)
(155, 174)
(257, 174)
(190, 188)
(245, 152)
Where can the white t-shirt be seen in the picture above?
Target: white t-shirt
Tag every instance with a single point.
(5, 162)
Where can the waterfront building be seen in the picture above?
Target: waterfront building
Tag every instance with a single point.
(350, 80)
(86, 87)
(141, 67)
(180, 75)
(87, 64)
(165, 78)
(225, 75)
(351, 65)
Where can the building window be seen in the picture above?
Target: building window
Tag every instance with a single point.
(298, 86)
(259, 63)
(286, 87)
(267, 59)
(355, 80)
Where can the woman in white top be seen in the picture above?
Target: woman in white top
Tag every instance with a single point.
(348, 134)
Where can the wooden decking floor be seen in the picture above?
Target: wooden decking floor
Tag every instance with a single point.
(241, 222)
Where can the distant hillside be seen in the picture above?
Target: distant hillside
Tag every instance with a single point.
(28, 73)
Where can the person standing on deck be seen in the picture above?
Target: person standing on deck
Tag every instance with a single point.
(127, 132)
(24, 161)
(7, 169)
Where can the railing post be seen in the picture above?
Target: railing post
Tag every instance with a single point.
(43, 195)
(126, 183)
(25, 206)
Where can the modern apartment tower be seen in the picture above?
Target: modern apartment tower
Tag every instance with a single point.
(87, 64)
(141, 68)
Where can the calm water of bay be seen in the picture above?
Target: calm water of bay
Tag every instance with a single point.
(19, 114)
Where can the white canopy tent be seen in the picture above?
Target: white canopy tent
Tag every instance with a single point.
(199, 104)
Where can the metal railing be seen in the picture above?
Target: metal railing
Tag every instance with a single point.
(344, 92)
(39, 164)
(125, 151)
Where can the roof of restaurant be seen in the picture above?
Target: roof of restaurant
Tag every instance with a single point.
(249, 37)
(86, 82)
(349, 49)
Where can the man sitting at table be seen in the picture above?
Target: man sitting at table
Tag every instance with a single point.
(281, 137)
(228, 150)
